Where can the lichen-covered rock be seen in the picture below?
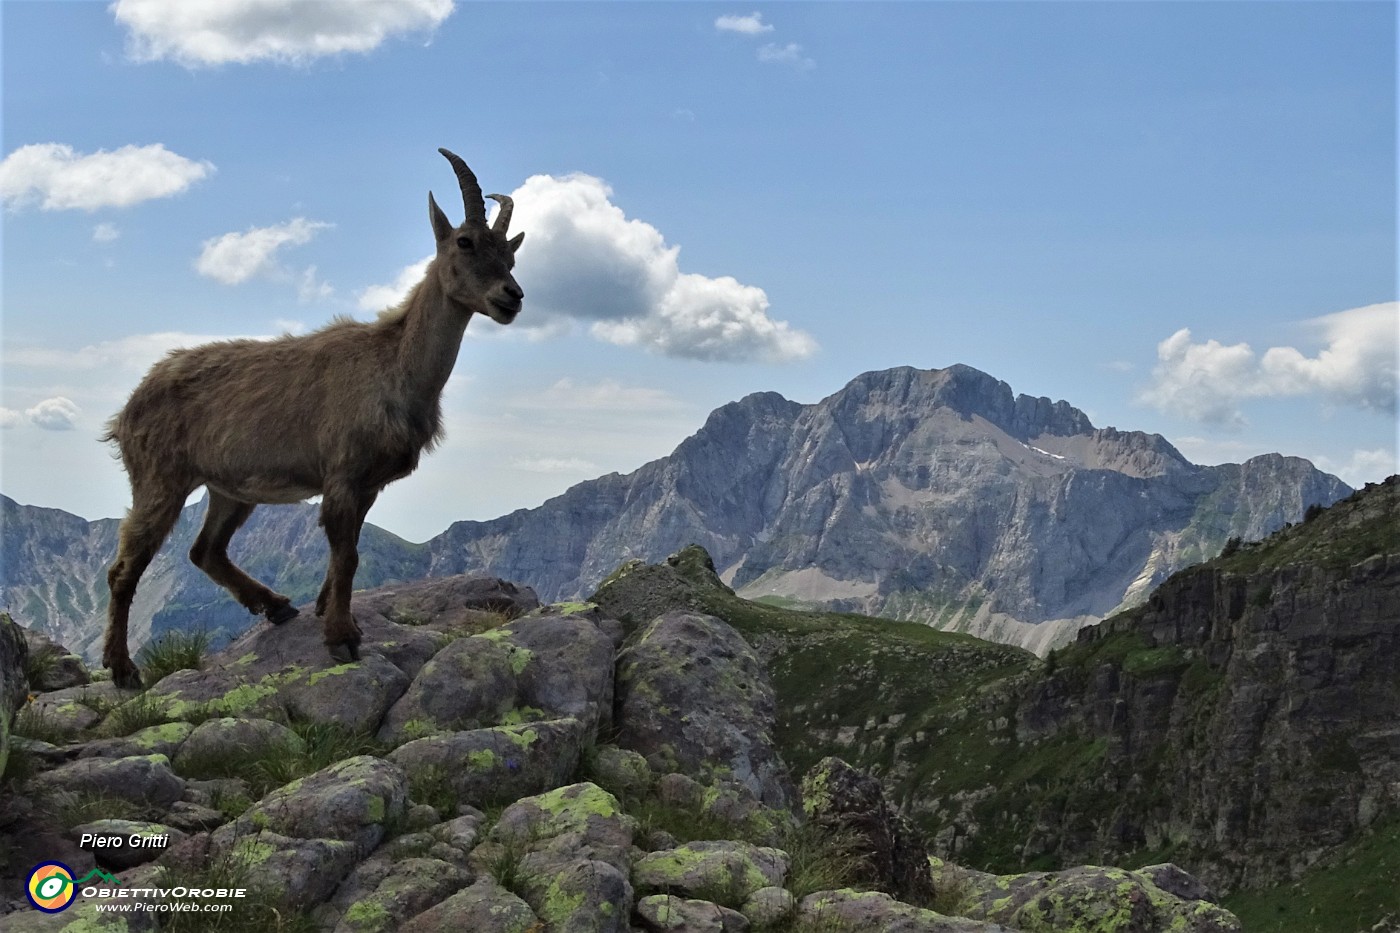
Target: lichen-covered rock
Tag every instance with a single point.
(146, 780)
(77, 708)
(56, 667)
(768, 907)
(485, 907)
(662, 913)
(622, 771)
(350, 801)
(226, 740)
(14, 688)
(725, 872)
(497, 765)
(850, 911)
(1090, 899)
(693, 697)
(126, 856)
(851, 804)
(728, 802)
(445, 604)
(379, 895)
(322, 696)
(164, 739)
(295, 873)
(470, 684)
(567, 667)
(568, 850)
(541, 667)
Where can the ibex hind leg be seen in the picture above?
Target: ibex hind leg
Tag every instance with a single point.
(210, 554)
(153, 514)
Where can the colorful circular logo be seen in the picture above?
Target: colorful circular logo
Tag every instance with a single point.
(51, 887)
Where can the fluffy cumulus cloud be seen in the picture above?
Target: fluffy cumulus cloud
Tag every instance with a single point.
(9, 418)
(750, 25)
(584, 260)
(198, 33)
(238, 257)
(54, 414)
(133, 354)
(1356, 367)
(1361, 466)
(58, 178)
(379, 297)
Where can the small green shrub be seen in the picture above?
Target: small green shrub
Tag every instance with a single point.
(171, 652)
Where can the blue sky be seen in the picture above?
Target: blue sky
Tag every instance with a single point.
(1180, 217)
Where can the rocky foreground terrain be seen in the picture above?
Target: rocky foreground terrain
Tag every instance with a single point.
(490, 765)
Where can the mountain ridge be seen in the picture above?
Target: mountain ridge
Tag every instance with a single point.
(937, 496)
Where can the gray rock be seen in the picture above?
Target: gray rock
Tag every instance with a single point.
(768, 907)
(145, 780)
(14, 688)
(227, 740)
(470, 684)
(296, 873)
(1088, 897)
(349, 801)
(497, 765)
(378, 898)
(662, 913)
(77, 708)
(693, 697)
(58, 668)
(568, 851)
(164, 739)
(875, 910)
(724, 872)
(325, 695)
(851, 804)
(485, 907)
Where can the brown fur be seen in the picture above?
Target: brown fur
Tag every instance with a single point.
(340, 412)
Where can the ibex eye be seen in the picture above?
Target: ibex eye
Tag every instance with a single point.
(464, 242)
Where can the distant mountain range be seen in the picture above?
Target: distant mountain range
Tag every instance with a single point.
(936, 496)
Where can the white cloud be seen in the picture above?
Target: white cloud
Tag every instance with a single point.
(9, 418)
(379, 297)
(129, 354)
(105, 233)
(237, 257)
(751, 25)
(585, 260)
(1357, 367)
(607, 395)
(54, 414)
(790, 54)
(310, 288)
(218, 32)
(555, 465)
(61, 179)
(1362, 466)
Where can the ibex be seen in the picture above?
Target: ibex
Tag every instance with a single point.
(341, 412)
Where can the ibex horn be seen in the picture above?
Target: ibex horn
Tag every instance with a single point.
(471, 191)
(502, 223)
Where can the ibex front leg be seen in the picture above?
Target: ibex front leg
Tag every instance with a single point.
(342, 514)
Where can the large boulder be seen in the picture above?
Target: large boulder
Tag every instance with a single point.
(1089, 899)
(693, 697)
(14, 688)
(53, 666)
(850, 805)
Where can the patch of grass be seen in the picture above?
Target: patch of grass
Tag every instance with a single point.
(434, 786)
(38, 665)
(323, 744)
(821, 860)
(72, 808)
(172, 651)
(34, 723)
(140, 712)
(259, 912)
(1357, 891)
(686, 824)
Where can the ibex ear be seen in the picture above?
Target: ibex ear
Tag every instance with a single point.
(515, 241)
(442, 227)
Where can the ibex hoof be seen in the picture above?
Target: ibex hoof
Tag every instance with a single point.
(344, 653)
(279, 614)
(127, 677)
